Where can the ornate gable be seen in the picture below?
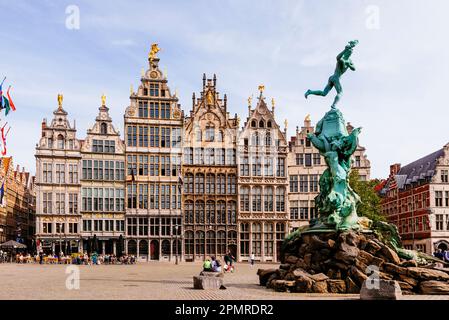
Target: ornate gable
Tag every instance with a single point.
(209, 111)
(262, 119)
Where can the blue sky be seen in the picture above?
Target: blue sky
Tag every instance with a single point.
(398, 93)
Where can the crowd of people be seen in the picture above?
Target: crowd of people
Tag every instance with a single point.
(213, 264)
(443, 255)
(77, 258)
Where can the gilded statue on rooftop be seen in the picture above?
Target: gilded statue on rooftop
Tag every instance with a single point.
(154, 50)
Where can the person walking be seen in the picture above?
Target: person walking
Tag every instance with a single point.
(252, 259)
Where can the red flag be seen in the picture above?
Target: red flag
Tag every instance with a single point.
(13, 107)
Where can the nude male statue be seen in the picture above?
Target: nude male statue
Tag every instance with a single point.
(343, 63)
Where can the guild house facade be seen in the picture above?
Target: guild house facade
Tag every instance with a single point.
(210, 176)
(178, 187)
(153, 133)
(262, 183)
(102, 185)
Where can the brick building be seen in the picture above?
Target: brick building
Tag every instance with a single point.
(415, 197)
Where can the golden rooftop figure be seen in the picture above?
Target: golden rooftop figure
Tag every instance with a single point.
(60, 98)
(103, 100)
(307, 118)
(261, 88)
(250, 99)
(273, 102)
(154, 49)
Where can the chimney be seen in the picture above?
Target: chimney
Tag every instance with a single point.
(225, 99)
(204, 81)
(394, 169)
(215, 79)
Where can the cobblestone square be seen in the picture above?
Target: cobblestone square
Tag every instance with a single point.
(154, 281)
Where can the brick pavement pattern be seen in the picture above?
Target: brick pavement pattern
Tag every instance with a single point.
(154, 281)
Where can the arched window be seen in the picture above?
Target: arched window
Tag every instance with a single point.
(198, 134)
(103, 128)
(231, 184)
(60, 141)
(199, 183)
(244, 199)
(199, 212)
(255, 140)
(210, 133)
(221, 242)
(257, 199)
(188, 212)
(165, 247)
(210, 183)
(188, 183)
(268, 139)
(232, 212)
(143, 247)
(253, 123)
(199, 241)
(210, 242)
(221, 184)
(280, 199)
(210, 212)
(221, 212)
(268, 239)
(132, 247)
(189, 242)
(257, 239)
(244, 239)
(232, 236)
(220, 136)
(261, 124)
(268, 199)
(269, 124)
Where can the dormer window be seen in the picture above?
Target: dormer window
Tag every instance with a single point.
(103, 128)
(253, 124)
(269, 124)
(261, 124)
(220, 136)
(50, 142)
(154, 89)
(60, 142)
(145, 91)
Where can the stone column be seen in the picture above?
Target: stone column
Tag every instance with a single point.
(137, 249)
(114, 247)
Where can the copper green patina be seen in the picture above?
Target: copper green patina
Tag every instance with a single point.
(337, 202)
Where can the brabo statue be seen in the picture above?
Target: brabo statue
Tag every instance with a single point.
(343, 63)
(337, 202)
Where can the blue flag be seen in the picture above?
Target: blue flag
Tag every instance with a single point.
(2, 192)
